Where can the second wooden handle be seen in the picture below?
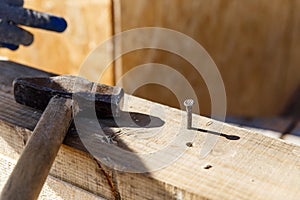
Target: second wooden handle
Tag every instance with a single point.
(32, 168)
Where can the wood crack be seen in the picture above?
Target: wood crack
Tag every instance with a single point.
(111, 180)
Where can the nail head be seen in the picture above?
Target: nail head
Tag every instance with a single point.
(188, 102)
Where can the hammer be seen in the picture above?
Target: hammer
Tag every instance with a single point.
(54, 96)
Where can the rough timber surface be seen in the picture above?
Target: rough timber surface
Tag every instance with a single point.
(251, 167)
(53, 189)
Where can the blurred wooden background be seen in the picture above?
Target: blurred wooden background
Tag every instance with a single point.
(89, 24)
(254, 43)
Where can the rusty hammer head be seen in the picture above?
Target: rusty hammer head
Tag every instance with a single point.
(36, 92)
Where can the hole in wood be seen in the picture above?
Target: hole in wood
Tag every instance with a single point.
(189, 144)
(207, 167)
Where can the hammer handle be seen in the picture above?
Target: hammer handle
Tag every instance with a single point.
(33, 166)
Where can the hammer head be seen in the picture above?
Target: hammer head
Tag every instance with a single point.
(36, 92)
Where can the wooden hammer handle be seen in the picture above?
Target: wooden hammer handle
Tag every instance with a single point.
(33, 166)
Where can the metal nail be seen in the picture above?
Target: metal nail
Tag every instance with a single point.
(188, 103)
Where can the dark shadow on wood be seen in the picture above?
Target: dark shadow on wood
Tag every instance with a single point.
(228, 137)
(133, 120)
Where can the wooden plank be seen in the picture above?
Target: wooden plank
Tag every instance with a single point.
(251, 167)
(269, 126)
(249, 41)
(294, 135)
(53, 188)
(89, 24)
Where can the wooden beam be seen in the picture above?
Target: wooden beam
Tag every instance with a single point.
(251, 167)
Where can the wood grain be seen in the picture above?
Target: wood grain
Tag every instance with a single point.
(233, 174)
(255, 45)
(251, 167)
(33, 166)
(53, 189)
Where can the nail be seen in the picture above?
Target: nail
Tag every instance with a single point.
(188, 103)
